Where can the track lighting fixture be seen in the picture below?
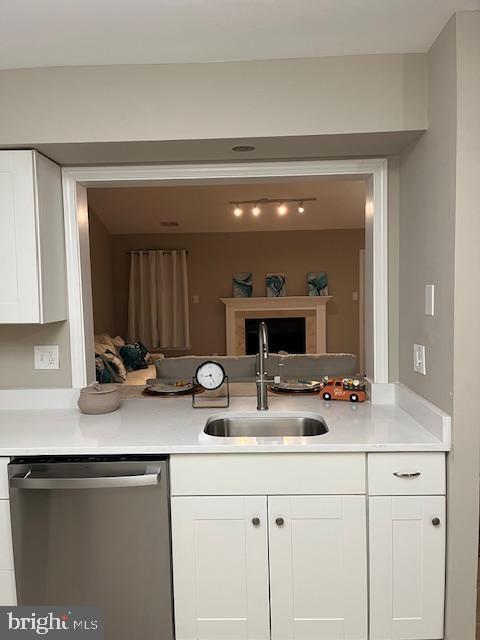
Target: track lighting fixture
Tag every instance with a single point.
(282, 205)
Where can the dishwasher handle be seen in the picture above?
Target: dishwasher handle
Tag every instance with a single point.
(30, 481)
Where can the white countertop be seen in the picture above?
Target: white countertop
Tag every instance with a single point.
(161, 425)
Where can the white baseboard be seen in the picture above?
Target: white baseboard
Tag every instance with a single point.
(424, 412)
(12, 399)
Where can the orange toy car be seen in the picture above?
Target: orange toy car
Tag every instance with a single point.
(350, 389)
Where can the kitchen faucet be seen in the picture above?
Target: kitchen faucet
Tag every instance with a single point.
(262, 380)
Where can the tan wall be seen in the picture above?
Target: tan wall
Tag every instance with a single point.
(213, 257)
(16, 356)
(439, 236)
(463, 467)
(427, 228)
(314, 96)
(101, 247)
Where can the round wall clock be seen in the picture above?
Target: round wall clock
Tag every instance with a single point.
(210, 375)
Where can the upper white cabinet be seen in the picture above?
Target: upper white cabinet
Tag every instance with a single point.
(318, 567)
(32, 242)
(407, 567)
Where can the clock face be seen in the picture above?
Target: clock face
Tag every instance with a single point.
(210, 375)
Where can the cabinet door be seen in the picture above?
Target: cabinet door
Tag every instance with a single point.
(318, 567)
(407, 567)
(220, 567)
(19, 292)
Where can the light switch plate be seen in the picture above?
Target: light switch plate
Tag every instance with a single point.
(46, 356)
(419, 359)
(429, 300)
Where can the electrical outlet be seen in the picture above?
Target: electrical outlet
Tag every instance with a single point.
(46, 356)
(355, 296)
(195, 299)
(419, 359)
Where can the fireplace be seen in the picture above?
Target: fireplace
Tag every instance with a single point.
(284, 334)
(305, 316)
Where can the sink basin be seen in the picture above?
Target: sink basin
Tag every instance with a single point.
(261, 426)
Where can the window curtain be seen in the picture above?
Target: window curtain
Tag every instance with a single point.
(158, 299)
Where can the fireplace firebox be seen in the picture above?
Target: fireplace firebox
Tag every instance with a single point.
(284, 334)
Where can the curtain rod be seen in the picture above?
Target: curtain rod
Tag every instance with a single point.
(157, 250)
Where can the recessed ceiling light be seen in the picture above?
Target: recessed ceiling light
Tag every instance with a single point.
(243, 148)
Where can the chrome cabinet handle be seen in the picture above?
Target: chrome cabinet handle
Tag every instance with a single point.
(29, 481)
(279, 522)
(406, 474)
(255, 521)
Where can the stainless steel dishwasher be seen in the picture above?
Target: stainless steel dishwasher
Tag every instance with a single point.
(95, 531)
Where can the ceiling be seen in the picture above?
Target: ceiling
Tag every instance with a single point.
(205, 208)
(45, 33)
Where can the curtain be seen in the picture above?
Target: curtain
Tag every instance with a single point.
(158, 299)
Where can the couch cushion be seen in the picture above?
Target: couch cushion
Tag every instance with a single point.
(238, 368)
(315, 365)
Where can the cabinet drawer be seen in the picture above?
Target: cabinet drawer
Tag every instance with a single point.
(267, 474)
(400, 474)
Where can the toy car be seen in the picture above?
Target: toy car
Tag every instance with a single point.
(350, 389)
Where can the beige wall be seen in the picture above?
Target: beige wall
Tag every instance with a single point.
(213, 257)
(314, 96)
(101, 247)
(463, 468)
(16, 356)
(427, 226)
(439, 237)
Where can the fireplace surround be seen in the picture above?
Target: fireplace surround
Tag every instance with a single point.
(311, 308)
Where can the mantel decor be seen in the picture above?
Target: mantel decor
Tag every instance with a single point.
(312, 308)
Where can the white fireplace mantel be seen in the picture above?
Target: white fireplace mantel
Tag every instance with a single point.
(312, 308)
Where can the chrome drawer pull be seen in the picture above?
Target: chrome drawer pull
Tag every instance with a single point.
(406, 474)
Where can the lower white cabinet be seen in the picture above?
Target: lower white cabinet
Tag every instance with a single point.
(220, 567)
(318, 567)
(407, 567)
(313, 546)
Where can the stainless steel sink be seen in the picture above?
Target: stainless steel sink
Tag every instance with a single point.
(273, 426)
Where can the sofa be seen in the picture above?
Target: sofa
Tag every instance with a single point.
(243, 368)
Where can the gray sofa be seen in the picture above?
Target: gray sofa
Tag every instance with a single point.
(243, 368)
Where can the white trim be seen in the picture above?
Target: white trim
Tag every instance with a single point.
(164, 174)
(381, 392)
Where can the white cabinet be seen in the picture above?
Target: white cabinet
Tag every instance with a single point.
(8, 595)
(315, 547)
(318, 567)
(407, 567)
(220, 567)
(32, 243)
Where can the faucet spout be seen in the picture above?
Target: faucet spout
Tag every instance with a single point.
(262, 380)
